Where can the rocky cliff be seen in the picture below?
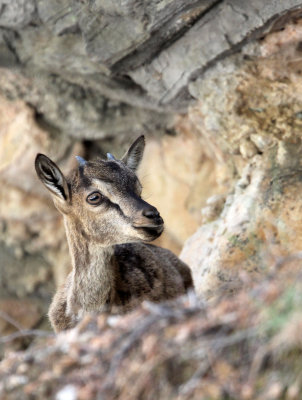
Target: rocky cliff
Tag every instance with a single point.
(216, 87)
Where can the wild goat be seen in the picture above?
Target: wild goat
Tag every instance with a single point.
(107, 226)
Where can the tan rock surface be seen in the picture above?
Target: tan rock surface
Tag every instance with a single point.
(30, 221)
(178, 177)
(33, 252)
(245, 129)
(255, 122)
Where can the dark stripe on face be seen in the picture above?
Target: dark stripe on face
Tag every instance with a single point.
(116, 207)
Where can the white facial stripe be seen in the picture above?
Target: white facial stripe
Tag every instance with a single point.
(103, 187)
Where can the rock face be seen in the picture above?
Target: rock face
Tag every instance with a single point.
(260, 138)
(222, 116)
(216, 87)
(178, 177)
(33, 250)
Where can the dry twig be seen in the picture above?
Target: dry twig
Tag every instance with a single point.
(10, 320)
(25, 333)
(22, 332)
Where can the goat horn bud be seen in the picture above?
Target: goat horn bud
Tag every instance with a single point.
(81, 161)
(110, 157)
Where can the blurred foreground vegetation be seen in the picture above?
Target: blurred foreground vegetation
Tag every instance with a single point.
(246, 345)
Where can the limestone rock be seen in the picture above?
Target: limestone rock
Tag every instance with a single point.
(178, 177)
(100, 69)
(80, 76)
(32, 239)
(260, 218)
(16, 14)
(223, 27)
(213, 208)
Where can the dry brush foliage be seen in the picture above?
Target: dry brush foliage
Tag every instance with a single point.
(244, 346)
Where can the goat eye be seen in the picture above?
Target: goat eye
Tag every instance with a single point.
(94, 198)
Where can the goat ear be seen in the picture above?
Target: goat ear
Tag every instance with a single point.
(51, 177)
(134, 155)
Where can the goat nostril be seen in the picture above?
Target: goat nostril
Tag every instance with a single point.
(150, 213)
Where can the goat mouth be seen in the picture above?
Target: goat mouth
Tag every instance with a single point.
(153, 231)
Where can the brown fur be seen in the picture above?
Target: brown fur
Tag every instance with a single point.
(114, 269)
